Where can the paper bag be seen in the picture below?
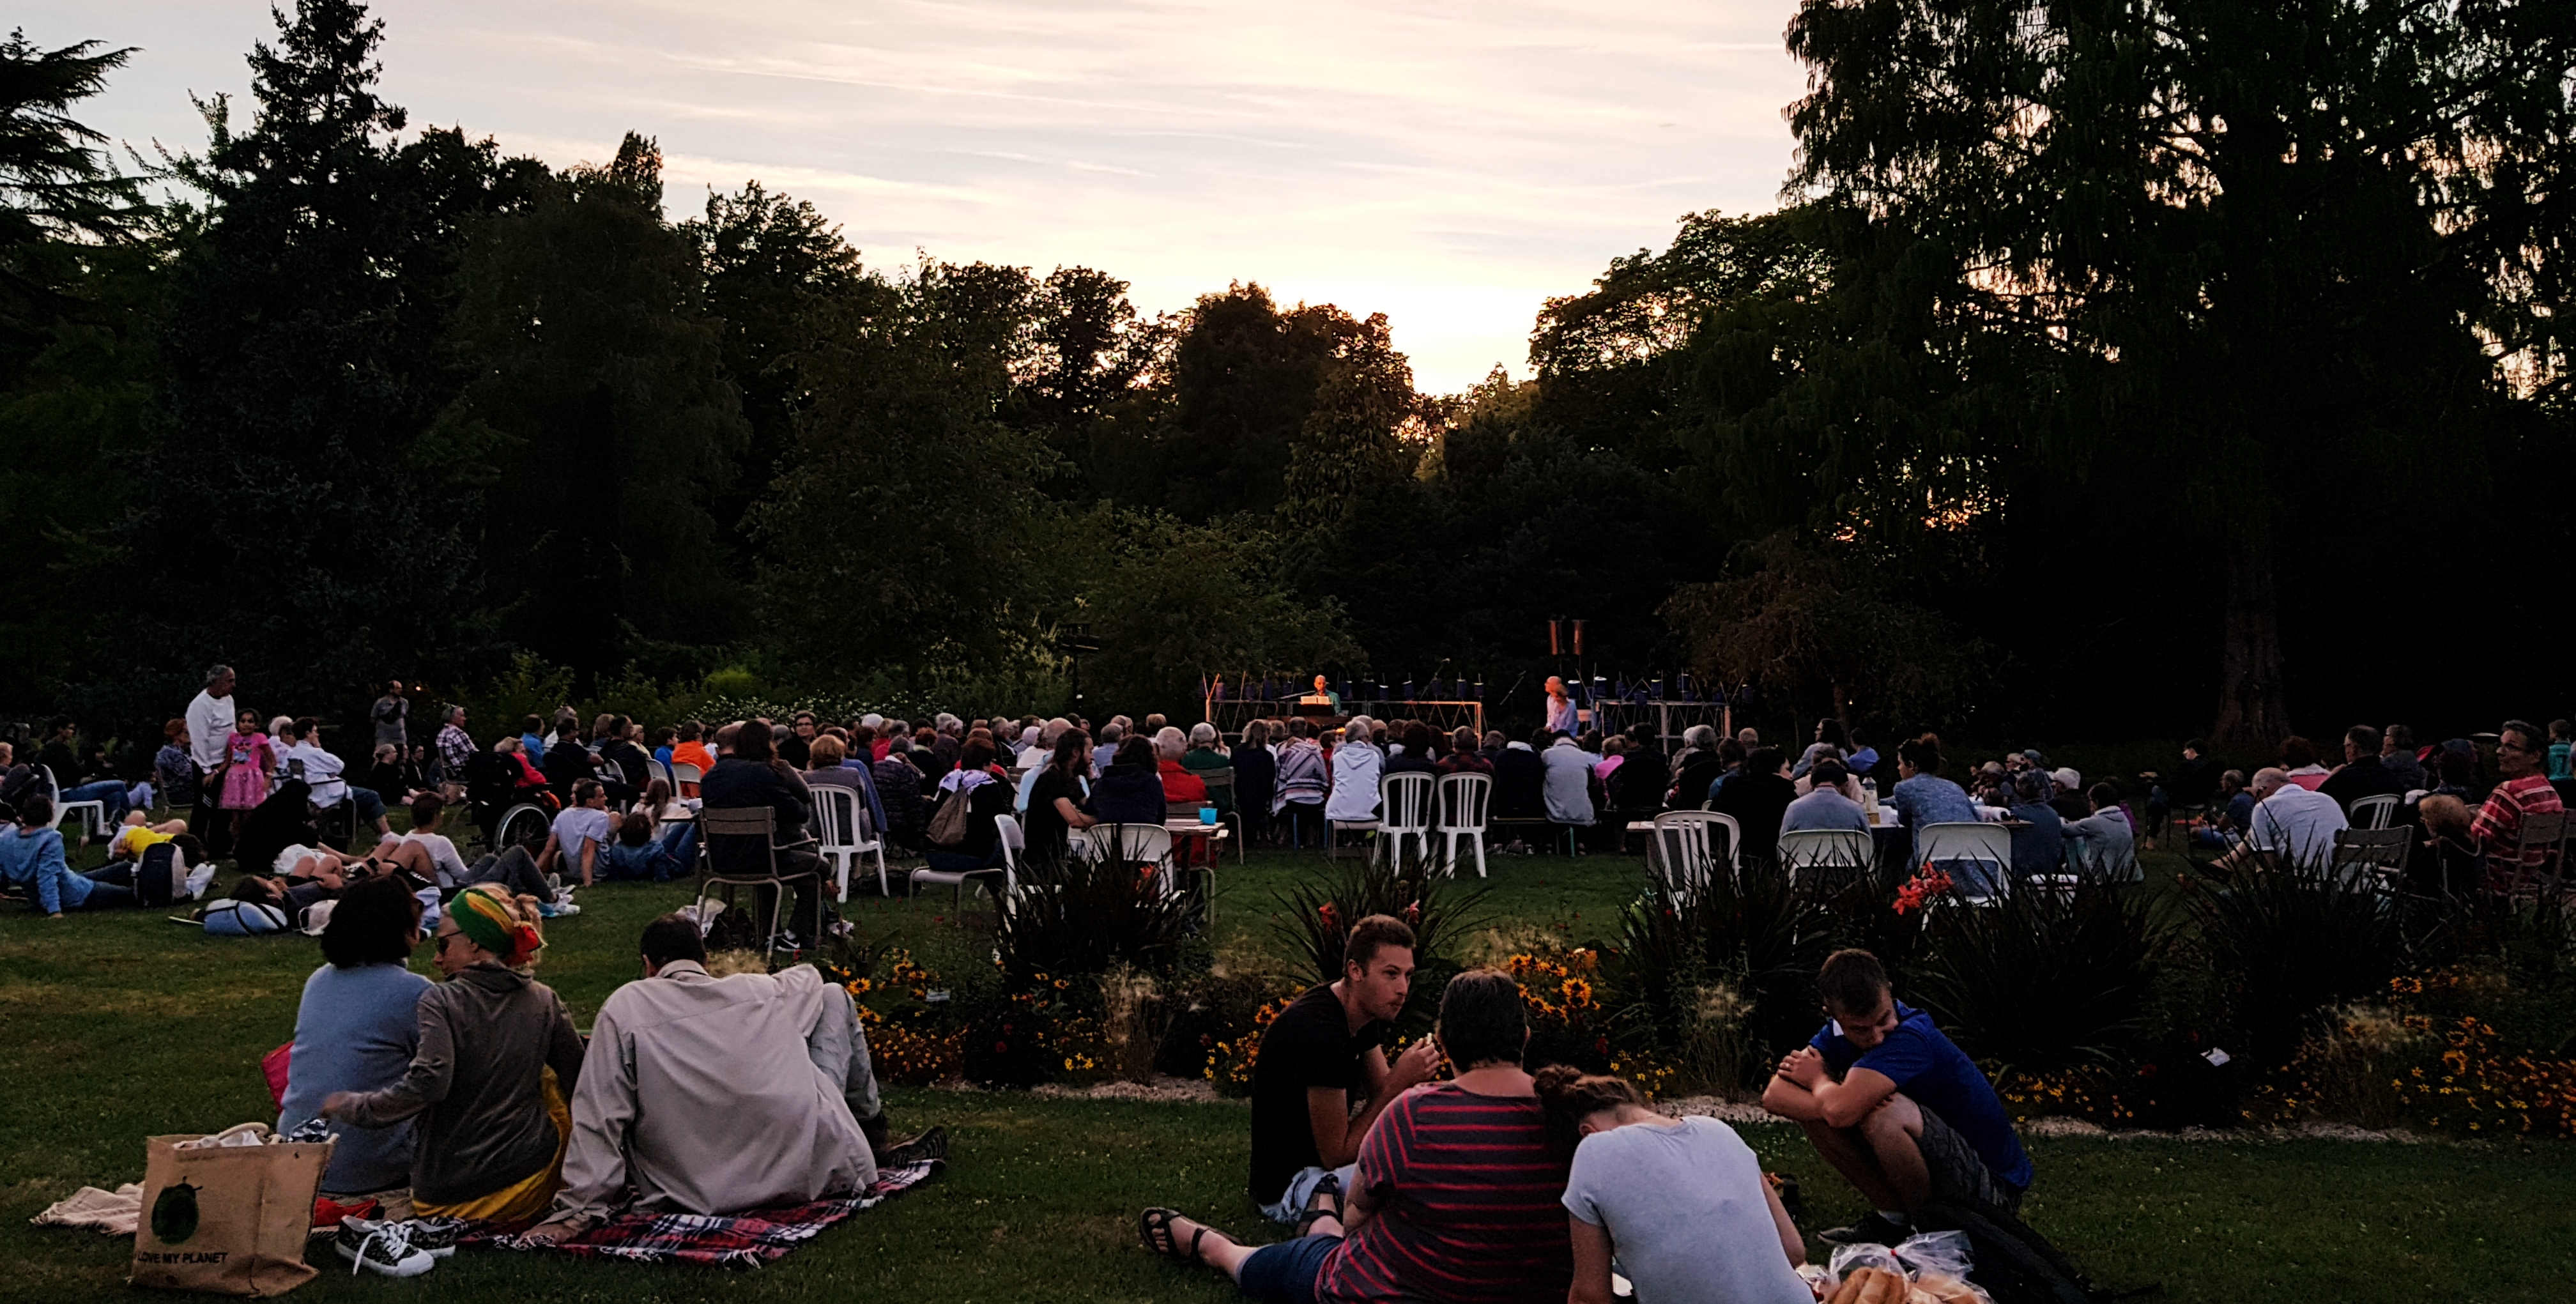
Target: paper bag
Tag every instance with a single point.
(227, 1220)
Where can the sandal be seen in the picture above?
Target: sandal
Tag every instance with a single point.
(1330, 1186)
(1155, 1226)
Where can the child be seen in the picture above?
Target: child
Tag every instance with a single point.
(2562, 740)
(249, 760)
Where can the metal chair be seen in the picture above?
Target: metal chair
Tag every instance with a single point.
(2380, 853)
(1006, 832)
(1978, 843)
(1464, 799)
(1837, 856)
(747, 822)
(2374, 812)
(842, 834)
(1408, 807)
(1688, 846)
(2545, 832)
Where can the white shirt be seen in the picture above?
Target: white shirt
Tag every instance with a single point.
(1356, 770)
(1569, 782)
(442, 856)
(210, 721)
(321, 773)
(2297, 823)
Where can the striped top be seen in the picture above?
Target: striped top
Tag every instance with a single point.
(1466, 1189)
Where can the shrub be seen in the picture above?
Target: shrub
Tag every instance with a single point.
(1321, 908)
(2286, 946)
(1084, 918)
(1756, 935)
(2041, 983)
(1213, 1015)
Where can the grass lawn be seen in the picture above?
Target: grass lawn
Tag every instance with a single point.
(115, 1027)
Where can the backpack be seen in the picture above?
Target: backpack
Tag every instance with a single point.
(2014, 1263)
(948, 823)
(160, 877)
(231, 918)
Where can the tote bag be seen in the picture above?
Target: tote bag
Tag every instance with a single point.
(227, 1220)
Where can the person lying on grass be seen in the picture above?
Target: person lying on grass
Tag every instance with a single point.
(32, 863)
(1897, 1109)
(712, 1095)
(1319, 1056)
(1680, 1201)
(1456, 1195)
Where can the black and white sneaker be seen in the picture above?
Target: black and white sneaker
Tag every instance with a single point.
(930, 1145)
(381, 1246)
(435, 1237)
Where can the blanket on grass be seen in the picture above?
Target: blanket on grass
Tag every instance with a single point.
(746, 1240)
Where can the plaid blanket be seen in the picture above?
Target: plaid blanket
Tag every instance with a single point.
(746, 1240)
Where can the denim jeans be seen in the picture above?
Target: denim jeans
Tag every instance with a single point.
(111, 793)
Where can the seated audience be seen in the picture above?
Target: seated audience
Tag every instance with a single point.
(1055, 800)
(1568, 783)
(2522, 790)
(2397, 756)
(1895, 1107)
(2102, 843)
(492, 1127)
(568, 762)
(322, 771)
(782, 1123)
(32, 862)
(1323, 1056)
(1680, 1202)
(1256, 779)
(2068, 799)
(1520, 780)
(2447, 861)
(2299, 763)
(980, 782)
(1695, 769)
(358, 1030)
(174, 767)
(2362, 773)
(1304, 781)
(1758, 799)
(752, 776)
(1456, 1195)
(1464, 757)
(1181, 785)
(1358, 764)
(2291, 824)
(1924, 798)
(1825, 806)
(1208, 758)
(1130, 791)
(1413, 755)
(826, 766)
(642, 847)
(581, 828)
(446, 867)
(898, 784)
(1643, 776)
(2039, 847)
(1106, 754)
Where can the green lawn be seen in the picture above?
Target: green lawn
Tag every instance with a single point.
(120, 1026)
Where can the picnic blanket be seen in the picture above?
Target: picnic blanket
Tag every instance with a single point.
(113, 1212)
(746, 1240)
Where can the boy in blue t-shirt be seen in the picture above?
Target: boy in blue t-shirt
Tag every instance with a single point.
(1895, 1107)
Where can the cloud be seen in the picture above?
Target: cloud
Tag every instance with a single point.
(1449, 164)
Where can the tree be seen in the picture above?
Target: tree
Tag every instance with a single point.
(2241, 249)
(607, 422)
(58, 191)
(286, 520)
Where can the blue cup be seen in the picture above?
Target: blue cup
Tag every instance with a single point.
(1207, 815)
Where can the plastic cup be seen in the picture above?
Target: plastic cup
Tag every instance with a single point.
(1207, 815)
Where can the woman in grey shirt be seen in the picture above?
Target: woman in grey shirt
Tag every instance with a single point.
(1680, 1201)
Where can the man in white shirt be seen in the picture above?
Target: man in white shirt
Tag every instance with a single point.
(1569, 782)
(2295, 824)
(210, 721)
(322, 772)
(581, 832)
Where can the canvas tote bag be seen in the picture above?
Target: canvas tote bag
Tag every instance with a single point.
(227, 1220)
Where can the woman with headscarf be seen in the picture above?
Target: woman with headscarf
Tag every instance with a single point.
(498, 1058)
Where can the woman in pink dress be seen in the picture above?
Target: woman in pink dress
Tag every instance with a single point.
(248, 760)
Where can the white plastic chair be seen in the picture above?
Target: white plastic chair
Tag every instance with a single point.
(1686, 851)
(2370, 813)
(1464, 798)
(842, 835)
(685, 776)
(1407, 809)
(655, 769)
(1843, 854)
(93, 813)
(1985, 844)
(1132, 843)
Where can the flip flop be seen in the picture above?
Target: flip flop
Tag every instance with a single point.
(1155, 1226)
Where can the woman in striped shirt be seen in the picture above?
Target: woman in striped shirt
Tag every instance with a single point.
(1457, 1193)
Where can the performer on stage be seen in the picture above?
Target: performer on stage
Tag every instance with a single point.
(1561, 715)
(1323, 694)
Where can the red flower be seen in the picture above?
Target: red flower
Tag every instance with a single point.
(1332, 917)
(1001, 1048)
(1413, 913)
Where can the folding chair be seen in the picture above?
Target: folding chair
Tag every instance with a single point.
(2545, 832)
(1407, 809)
(2374, 812)
(1689, 845)
(2378, 852)
(1988, 845)
(1464, 799)
(1840, 857)
(747, 822)
(1220, 783)
(1006, 831)
(842, 834)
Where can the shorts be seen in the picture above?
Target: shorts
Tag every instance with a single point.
(1300, 1191)
(1958, 1170)
(1286, 1273)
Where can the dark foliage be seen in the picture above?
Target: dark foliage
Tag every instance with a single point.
(2042, 983)
(1754, 931)
(1319, 909)
(2285, 945)
(1080, 918)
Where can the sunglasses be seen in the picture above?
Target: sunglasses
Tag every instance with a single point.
(439, 941)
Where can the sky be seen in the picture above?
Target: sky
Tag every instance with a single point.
(1451, 165)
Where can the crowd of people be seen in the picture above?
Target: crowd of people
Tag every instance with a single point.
(1508, 1181)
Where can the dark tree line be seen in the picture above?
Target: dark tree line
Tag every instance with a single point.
(2117, 370)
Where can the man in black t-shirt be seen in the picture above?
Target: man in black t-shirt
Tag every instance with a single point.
(1320, 1054)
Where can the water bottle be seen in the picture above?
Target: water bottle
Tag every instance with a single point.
(1869, 798)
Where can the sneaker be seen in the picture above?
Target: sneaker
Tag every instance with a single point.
(1872, 1229)
(557, 909)
(930, 1145)
(435, 1237)
(381, 1247)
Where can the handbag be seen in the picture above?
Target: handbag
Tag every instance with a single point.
(227, 1218)
(948, 823)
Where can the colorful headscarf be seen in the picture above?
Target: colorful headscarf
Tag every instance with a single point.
(483, 914)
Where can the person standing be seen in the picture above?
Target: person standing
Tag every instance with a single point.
(392, 714)
(210, 722)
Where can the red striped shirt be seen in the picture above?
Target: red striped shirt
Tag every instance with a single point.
(1466, 1189)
